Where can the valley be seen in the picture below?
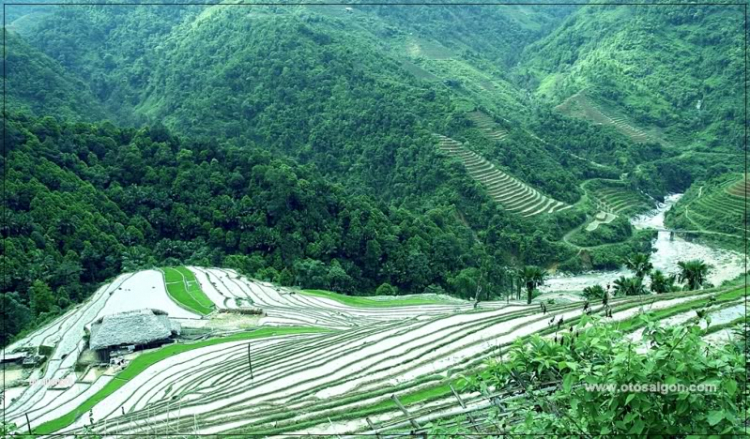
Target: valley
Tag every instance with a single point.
(430, 220)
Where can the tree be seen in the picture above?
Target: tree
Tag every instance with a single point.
(661, 283)
(640, 263)
(532, 277)
(337, 278)
(386, 289)
(465, 283)
(14, 314)
(41, 297)
(594, 292)
(694, 272)
(311, 273)
(629, 286)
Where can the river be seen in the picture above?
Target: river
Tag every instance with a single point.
(726, 265)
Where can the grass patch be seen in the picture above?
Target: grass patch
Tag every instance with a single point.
(366, 302)
(183, 288)
(142, 362)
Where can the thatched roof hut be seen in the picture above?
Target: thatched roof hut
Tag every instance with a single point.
(138, 327)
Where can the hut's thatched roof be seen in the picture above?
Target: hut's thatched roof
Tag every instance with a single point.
(136, 327)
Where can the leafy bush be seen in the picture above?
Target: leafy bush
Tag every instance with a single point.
(597, 354)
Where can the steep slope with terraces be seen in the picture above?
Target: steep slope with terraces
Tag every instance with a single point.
(513, 194)
(668, 70)
(615, 197)
(716, 207)
(581, 106)
(489, 127)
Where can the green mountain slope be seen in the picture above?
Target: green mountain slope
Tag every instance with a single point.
(112, 48)
(312, 152)
(38, 85)
(714, 209)
(88, 201)
(672, 72)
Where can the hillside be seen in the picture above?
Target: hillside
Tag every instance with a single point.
(87, 201)
(384, 220)
(38, 85)
(349, 100)
(714, 210)
(671, 71)
(112, 48)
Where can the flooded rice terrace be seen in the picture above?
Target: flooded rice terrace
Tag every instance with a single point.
(726, 265)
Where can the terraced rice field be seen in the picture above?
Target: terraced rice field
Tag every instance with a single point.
(337, 380)
(581, 106)
(432, 50)
(600, 218)
(614, 197)
(513, 194)
(184, 289)
(488, 126)
(721, 210)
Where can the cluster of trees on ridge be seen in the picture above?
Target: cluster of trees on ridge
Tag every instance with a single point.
(87, 202)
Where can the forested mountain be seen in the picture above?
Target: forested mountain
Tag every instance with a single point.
(676, 70)
(299, 144)
(38, 85)
(112, 48)
(85, 202)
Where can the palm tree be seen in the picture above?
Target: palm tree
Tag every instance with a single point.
(693, 272)
(594, 292)
(661, 283)
(629, 286)
(532, 277)
(640, 263)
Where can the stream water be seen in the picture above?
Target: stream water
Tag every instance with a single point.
(726, 265)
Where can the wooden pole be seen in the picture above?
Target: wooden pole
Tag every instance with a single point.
(333, 428)
(463, 406)
(412, 421)
(250, 360)
(372, 427)
(28, 424)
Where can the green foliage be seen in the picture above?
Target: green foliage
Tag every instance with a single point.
(42, 300)
(596, 354)
(640, 263)
(616, 231)
(694, 273)
(532, 277)
(465, 283)
(38, 85)
(667, 68)
(716, 207)
(595, 292)
(610, 256)
(661, 283)
(87, 201)
(629, 286)
(14, 314)
(386, 289)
